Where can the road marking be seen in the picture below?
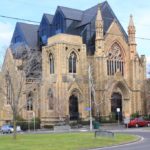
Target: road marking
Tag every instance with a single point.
(121, 145)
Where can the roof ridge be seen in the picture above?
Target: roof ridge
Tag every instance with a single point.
(48, 17)
(47, 14)
(30, 24)
(71, 8)
(95, 6)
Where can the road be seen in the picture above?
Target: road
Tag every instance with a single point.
(143, 144)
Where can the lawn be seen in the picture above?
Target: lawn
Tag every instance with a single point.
(66, 141)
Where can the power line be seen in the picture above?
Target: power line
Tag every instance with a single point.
(107, 18)
(32, 21)
(15, 18)
(30, 4)
(137, 37)
(141, 38)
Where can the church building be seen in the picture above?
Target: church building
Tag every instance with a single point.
(88, 62)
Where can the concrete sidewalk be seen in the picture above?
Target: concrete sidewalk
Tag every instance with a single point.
(109, 127)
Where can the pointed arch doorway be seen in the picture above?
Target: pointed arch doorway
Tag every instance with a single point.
(116, 102)
(73, 107)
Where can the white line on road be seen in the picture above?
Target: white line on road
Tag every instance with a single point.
(122, 145)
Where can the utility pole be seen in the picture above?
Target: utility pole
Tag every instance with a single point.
(89, 72)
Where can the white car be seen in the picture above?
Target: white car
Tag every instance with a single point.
(9, 129)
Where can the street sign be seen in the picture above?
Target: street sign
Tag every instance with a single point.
(87, 109)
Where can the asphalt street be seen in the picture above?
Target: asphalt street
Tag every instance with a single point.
(143, 144)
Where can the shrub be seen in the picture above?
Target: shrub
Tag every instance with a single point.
(48, 127)
(25, 124)
(22, 123)
(135, 115)
(73, 124)
(146, 117)
(85, 122)
(37, 123)
(108, 119)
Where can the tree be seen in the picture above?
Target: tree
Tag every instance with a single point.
(25, 64)
(148, 70)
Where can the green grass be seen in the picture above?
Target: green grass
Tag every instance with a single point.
(66, 141)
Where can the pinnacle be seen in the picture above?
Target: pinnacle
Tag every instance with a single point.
(99, 16)
(131, 23)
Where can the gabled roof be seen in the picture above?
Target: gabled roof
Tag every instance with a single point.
(29, 33)
(77, 24)
(108, 16)
(49, 17)
(70, 13)
(88, 16)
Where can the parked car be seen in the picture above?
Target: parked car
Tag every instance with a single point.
(138, 122)
(7, 129)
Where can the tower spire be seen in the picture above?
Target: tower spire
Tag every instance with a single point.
(131, 23)
(99, 16)
(131, 31)
(99, 32)
(131, 37)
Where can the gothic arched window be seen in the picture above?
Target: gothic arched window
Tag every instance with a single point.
(115, 61)
(50, 100)
(30, 101)
(73, 63)
(51, 63)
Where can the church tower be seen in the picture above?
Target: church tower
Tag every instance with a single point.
(131, 35)
(99, 39)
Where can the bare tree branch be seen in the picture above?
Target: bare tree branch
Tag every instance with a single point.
(26, 65)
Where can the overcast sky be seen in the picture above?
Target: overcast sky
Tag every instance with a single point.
(33, 10)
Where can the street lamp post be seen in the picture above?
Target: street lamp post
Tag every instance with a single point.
(118, 111)
(34, 119)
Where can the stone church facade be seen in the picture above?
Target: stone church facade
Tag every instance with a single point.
(94, 38)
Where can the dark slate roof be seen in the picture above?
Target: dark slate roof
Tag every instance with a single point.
(49, 17)
(80, 20)
(70, 13)
(30, 33)
(88, 16)
(108, 16)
